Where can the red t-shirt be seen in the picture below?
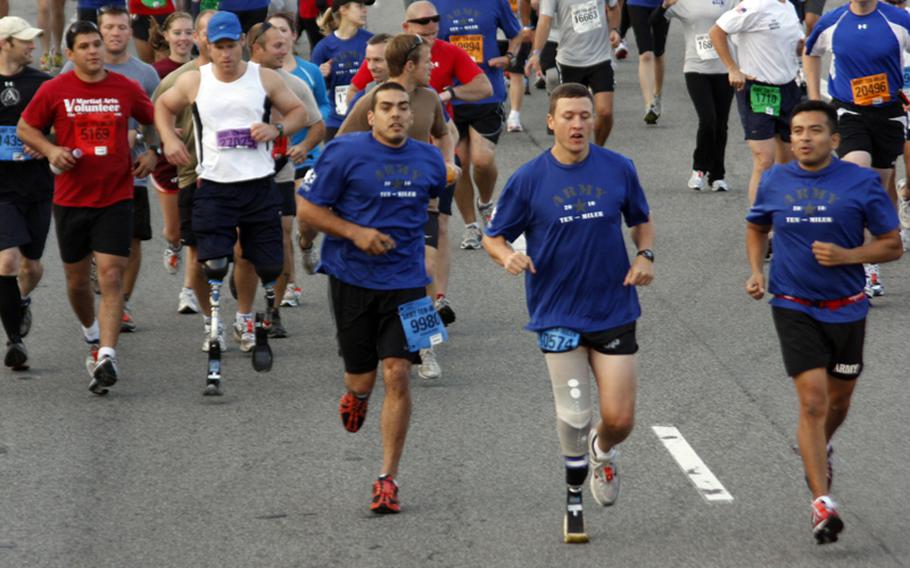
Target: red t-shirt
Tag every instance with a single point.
(147, 7)
(307, 10)
(93, 117)
(165, 66)
(449, 62)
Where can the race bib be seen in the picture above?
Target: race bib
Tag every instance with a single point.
(422, 326)
(95, 133)
(341, 99)
(11, 149)
(473, 44)
(705, 47)
(870, 90)
(558, 340)
(154, 3)
(235, 138)
(586, 17)
(765, 99)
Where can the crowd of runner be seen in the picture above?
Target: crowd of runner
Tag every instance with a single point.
(254, 151)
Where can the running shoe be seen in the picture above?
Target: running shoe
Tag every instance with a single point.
(513, 124)
(16, 356)
(127, 324)
(57, 60)
(903, 212)
(651, 116)
(277, 330)
(622, 50)
(25, 317)
(826, 522)
(309, 257)
(720, 185)
(444, 309)
(486, 211)
(244, 334)
(187, 303)
(573, 523)
(472, 237)
(222, 343)
(171, 259)
(905, 239)
(429, 368)
(874, 286)
(291, 298)
(604, 473)
(92, 357)
(658, 109)
(697, 180)
(353, 411)
(104, 375)
(385, 496)
(46, 62)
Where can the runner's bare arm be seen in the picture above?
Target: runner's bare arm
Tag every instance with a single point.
(881, 248)
(167, 107)
(476, 89)
(641, 273)
(532, 66)
(614, 20)
(812, 65)
(502, 254)
(719, 39)
(503, 61)
(298, 152)
(59, 156)
(293, 111)
(756, 245)
(322, 219)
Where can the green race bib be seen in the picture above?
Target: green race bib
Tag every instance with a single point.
(154, 3)
(209, 5)
(765, 99)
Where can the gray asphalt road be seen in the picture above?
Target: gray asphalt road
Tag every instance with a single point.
(156, 475)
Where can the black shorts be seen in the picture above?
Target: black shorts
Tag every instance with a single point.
(648, 36)
(25, 225)
(142, 25)
(486, 118)
(185, 210)
(431, 230)
(548, 56)
(142, 214)
(369, 328)
(599, 78)
(445, 199)
(518, 62)
(82, 230)
(288, 198)
(880, 131)
(300, 173)
(618, 340)
(249, 18)
(253, 206)
(807, 343)
(761, 126)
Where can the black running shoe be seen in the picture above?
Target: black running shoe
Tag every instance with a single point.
(25, 317)
(16, 356)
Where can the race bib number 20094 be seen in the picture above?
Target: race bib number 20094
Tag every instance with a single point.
(586, 17)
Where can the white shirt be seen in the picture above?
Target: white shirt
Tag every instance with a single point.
(766, 33)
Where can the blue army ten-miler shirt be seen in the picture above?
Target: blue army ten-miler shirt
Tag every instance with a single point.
(832, 205)
(572, 216)
(373, 185)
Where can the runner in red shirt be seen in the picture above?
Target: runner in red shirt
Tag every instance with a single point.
(89, 109)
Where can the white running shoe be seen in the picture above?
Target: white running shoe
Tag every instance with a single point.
(658, 109)
(486, 211)
(905, 239)
(171, 258)
(244, 334)
(903, 211)
(291, 297)
(513, 124)
(697, 180)
(720, 185)
(604, 473)
(874, 286)
(222, 343)
(187, 302)
(429, 368)
(472, 237)
(310, 258)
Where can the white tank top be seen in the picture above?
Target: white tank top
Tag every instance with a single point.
(223, 113)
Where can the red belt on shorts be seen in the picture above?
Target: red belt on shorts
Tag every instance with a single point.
(826, 304)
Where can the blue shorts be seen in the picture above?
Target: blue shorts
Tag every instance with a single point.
(252, 206)
(761, 126)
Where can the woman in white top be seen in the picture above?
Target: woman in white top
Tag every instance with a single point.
(709, 89)
(769, 41)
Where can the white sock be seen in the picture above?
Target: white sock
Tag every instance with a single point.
(514, 114)
(92, 334)
(107, 352)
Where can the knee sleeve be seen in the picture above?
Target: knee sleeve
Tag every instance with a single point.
(268, 273)
(216, 268)
(572, 393)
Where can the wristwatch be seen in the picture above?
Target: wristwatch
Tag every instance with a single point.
(280, 128)
(647, 253)
(451, 90)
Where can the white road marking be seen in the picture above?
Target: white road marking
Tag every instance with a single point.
(701, 477)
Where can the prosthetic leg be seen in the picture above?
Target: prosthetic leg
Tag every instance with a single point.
(262, 352)
(215, 270)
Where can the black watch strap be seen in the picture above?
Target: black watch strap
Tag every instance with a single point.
(647, 253)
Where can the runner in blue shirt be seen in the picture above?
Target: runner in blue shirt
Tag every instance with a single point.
(472, 25)
(339, 55)
(570, 203)
(867, 40)
(369, 193)
(819, 208)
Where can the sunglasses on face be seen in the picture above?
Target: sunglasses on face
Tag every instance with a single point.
(425, 21)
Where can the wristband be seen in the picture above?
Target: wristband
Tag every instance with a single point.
(527, 27)
(647, 253)
(451, 90)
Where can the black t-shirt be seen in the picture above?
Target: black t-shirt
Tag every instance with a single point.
(21, 178)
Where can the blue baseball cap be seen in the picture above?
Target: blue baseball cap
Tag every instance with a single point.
(224, 25)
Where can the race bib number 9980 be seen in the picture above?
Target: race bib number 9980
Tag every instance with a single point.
(422, 326)
(586, 17)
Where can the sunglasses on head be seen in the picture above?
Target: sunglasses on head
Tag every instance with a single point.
(266, 26)
(424, 21)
